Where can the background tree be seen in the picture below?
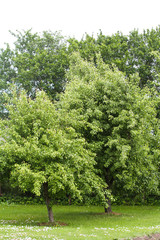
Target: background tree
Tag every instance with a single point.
(39, 61)
(117, 120)
(43, 155)
(141, 59)
(36, 62)
(131, 53)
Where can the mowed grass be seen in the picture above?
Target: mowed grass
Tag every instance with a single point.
(83, 222)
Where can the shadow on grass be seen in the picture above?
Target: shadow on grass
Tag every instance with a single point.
(66, 218)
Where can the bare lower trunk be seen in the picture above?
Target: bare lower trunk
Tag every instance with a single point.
(48, 204)
(109, 181)
(69, 199)
(108, 209)
(0, 190)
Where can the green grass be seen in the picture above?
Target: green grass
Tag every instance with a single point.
(21, 222)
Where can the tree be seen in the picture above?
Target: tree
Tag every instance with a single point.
(130, 54)
(37, 62)
(140, 58)
(42, 154)
(118, 120)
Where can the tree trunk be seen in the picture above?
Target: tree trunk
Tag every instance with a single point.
(108, 209)
(109, 181)
(0, 190)
(69, 199)
(48, 204)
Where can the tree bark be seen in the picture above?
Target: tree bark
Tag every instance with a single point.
(0, 190)
(109, 208)
(48, 204)
(69, 199)
(109, 181)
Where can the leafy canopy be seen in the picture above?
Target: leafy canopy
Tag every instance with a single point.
(38, 148)
(118, 120)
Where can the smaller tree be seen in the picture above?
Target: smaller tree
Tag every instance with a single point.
(43, 155)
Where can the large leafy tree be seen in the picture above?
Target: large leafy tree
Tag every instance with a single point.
(36, 62)
(118, 120)
(42, 154)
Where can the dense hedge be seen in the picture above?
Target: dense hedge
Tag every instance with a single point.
(88, 200)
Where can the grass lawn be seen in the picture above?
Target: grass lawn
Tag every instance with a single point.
(21, 222)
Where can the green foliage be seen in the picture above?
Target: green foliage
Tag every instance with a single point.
(106, 107)
(131, 53)
(37, 62)
(6, 74)
(22, 200)
(40, 61)
(118, 120)
(38, 149)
